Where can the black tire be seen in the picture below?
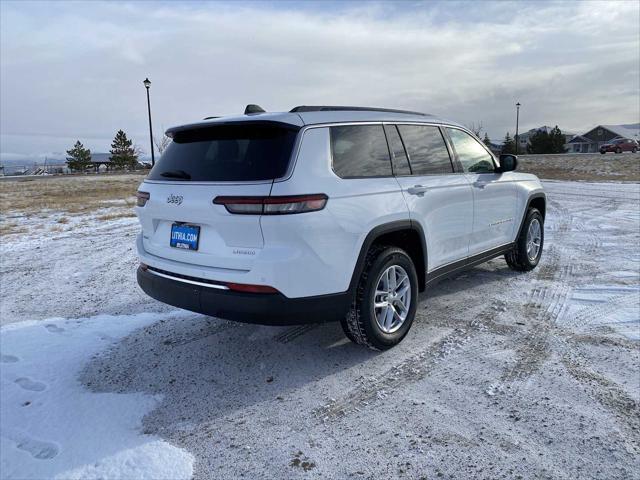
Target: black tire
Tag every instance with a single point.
(360, 324)
(518, 258)
(618, 150)
(634, 150)
(603, 152)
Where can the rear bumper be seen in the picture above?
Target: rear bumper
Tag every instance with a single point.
(260, 308)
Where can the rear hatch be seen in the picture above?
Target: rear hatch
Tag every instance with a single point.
(180, 221)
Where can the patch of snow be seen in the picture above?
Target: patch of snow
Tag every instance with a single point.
(52, 427)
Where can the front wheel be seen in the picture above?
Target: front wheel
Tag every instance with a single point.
(385, 300)
(634, 149)
(618, 150)
(528, 248)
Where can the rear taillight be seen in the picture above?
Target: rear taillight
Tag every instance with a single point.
(282, 205)
(142, 197)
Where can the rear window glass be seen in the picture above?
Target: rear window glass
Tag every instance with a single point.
(360, 151)
(427, 151)
(226, 153)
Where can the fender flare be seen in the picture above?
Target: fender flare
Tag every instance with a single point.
(379, 231)
(532, 197)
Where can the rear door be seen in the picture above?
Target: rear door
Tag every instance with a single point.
(494, 193)
(200, 165)
(439, 199)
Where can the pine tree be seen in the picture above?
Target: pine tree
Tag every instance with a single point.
(486, 140)
(509, 144)
(547, 142)
(79, 157)
(557, 141)
(123, 154)
(540, 142)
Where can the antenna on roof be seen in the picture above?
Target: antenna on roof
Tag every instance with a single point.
(251, 108)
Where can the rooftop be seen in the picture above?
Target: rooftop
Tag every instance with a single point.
(315, 115)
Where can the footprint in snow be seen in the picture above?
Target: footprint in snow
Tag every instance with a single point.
(32, 385)
(53, 329)
(8, 359)
(38, 448)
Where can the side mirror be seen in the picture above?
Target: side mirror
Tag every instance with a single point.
(508, 162)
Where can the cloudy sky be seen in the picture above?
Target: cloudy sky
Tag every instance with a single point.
(74, 70)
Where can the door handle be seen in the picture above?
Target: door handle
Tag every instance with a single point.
(417, 190)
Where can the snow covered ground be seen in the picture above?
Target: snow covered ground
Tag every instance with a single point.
(502, 375)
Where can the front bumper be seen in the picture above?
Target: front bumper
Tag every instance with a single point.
(260, 308)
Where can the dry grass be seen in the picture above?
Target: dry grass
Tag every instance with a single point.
(9, 228)
(584, 167)
(114, 216)
(73, 195)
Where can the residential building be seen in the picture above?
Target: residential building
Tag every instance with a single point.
(591, 141)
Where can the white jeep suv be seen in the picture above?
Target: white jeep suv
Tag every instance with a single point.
(328, 213)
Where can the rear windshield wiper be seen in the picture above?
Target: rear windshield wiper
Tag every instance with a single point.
(176, 174)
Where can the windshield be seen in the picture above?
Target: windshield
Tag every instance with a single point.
(245, 152)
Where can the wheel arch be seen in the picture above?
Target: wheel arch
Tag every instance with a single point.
(404, 234)
(536, 200)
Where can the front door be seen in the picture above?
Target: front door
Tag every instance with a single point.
(494, 193)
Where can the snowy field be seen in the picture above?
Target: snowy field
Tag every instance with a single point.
(503, 375)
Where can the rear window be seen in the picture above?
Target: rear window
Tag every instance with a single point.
(360, 151)
(227, 153)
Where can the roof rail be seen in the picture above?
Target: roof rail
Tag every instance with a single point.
(337, 108)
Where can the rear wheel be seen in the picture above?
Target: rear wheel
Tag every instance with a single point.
(528, 249)
(385, 300)
(634, 149)
(618, 150)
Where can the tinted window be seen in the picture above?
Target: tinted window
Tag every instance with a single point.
(472, 155)
(360, 151)
(227, 153)
(426, 148)
(398, 155)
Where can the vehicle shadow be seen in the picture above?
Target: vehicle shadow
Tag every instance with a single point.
(206, 368)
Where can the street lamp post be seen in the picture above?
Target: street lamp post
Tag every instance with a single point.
(147, 85)
(517, 121)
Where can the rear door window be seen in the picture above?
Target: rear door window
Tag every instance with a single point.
(225, 153)
(472, 155)
(428, 154)
(360, 151)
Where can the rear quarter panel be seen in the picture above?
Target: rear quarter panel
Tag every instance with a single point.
(327, 243)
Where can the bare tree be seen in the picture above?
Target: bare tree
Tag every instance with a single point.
(476, 128)
(161, 143)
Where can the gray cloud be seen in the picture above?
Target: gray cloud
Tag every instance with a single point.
(75, 70)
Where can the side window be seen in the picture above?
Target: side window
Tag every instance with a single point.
(399, 156)
(473, 156)
(427, 151)
(360, 151)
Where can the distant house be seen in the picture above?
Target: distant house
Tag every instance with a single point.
(496, 148)
(591, 141)
(525, 138)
